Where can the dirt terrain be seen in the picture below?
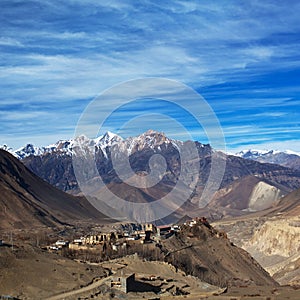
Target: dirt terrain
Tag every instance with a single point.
(166, 282)
(211, 256)
(29, 273)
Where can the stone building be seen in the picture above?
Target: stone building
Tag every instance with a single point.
(123, 282)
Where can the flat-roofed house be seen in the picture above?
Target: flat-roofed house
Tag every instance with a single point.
(123, 282)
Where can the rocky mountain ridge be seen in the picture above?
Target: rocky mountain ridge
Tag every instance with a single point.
(290, 159)
(203, 251)
(269, 182)
(149, 139)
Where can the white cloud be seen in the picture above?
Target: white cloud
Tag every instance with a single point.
(71, 51)
(7, 41)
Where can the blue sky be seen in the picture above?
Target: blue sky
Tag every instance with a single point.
(243, 57)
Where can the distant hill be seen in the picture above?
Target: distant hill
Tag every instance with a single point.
(248, 194)
(288, 205)
(27, 201)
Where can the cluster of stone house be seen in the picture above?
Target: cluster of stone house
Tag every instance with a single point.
(127, 233)
(142, 233)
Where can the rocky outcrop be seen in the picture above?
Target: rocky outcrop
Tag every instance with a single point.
(276, 245)
(250, 193)
(277, 237)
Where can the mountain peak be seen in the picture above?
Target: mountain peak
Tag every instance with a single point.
(153, 132)
(27, 150)
(109, 136)
(6, 148)
(291, 152)
(148, 139)
(252, 152)
(108, 139)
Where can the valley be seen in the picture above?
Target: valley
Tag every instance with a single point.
(149, 150)
(67, 249)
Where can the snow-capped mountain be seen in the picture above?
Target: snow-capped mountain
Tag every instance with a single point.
(108, 139)
(251, 153)
(27, 150)
(287, 158)
(65, 147)
(150, 139)
(54, 163)
(6, 148)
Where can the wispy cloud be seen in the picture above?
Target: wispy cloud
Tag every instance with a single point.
(243, 57)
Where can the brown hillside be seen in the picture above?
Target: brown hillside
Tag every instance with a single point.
(290, 204)
(27, 201)
(206, 253)
(240, 194)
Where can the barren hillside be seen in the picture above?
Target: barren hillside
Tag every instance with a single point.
(28, 201)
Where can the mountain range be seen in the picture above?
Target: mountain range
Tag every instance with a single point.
(257, 203)
(247, 185)
(286, 158)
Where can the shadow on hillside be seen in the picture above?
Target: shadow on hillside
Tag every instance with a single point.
(145, 287)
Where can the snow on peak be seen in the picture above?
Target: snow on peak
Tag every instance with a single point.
(6, 148)
(254, 153)
(110, 135)
(108, 139)
(63, 146)
(27, 150)
(148, 139)
(291, 152)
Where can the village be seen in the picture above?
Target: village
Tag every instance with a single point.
(115, 239)
(121, 236)
(121, 258)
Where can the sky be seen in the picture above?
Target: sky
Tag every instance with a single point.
(242, 57)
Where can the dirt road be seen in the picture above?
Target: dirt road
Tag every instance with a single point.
(85, 289)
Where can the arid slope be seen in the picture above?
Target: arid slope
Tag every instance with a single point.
(27, 201)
